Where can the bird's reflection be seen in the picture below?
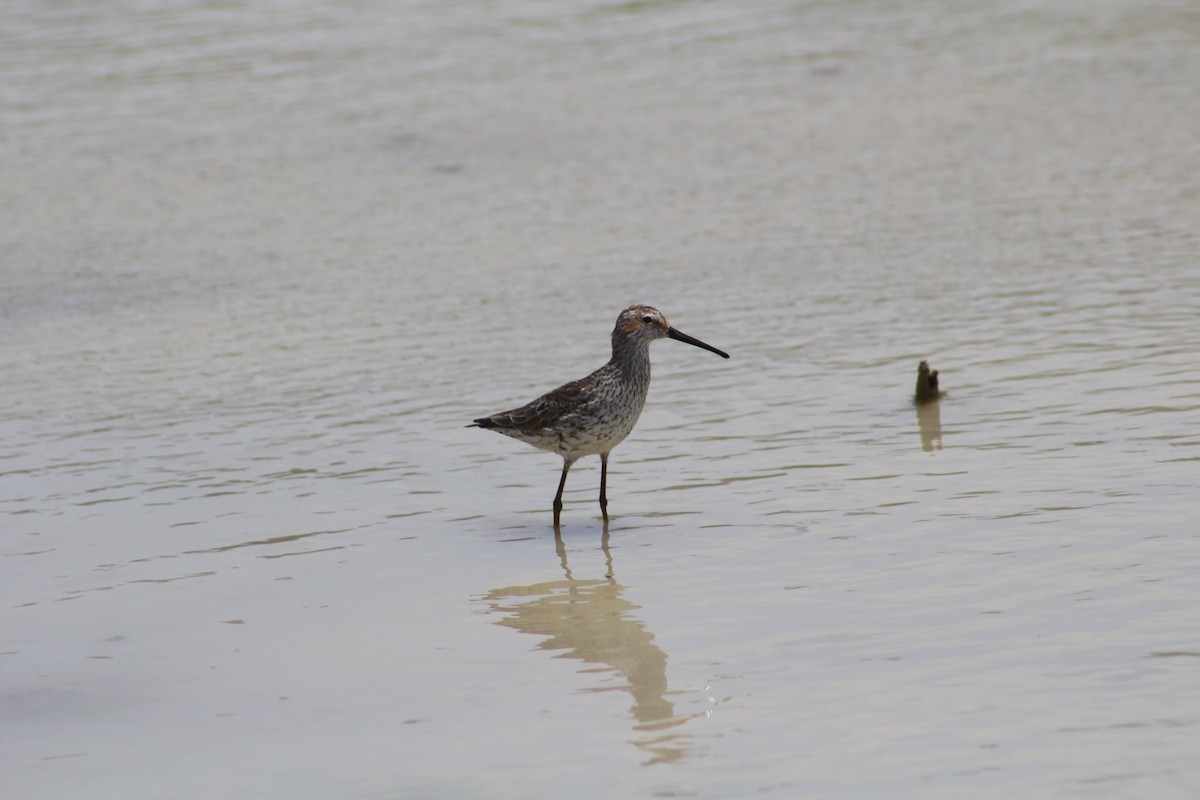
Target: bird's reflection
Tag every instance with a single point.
(929, 418)
(592, 622)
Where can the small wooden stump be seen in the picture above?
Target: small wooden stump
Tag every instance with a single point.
(927, 384)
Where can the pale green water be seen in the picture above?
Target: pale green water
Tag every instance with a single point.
(260, 264)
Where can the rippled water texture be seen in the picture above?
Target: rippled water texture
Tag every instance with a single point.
(261, 263)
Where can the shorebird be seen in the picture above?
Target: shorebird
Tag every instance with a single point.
(593, 415)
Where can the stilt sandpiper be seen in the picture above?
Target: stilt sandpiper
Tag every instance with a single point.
(593, 415)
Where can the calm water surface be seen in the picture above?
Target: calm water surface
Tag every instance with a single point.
(259, 264)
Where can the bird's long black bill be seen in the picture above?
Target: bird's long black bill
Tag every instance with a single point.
(683, 337)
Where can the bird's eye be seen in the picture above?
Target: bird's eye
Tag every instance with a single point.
(648, 320)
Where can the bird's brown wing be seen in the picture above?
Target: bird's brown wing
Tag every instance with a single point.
(546, 412)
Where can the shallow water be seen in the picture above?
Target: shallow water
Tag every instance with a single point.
(260, 264)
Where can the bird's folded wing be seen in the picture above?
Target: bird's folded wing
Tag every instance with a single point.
(549, 410)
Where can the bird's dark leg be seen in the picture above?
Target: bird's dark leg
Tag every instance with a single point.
(604, 485)
(558, 497)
